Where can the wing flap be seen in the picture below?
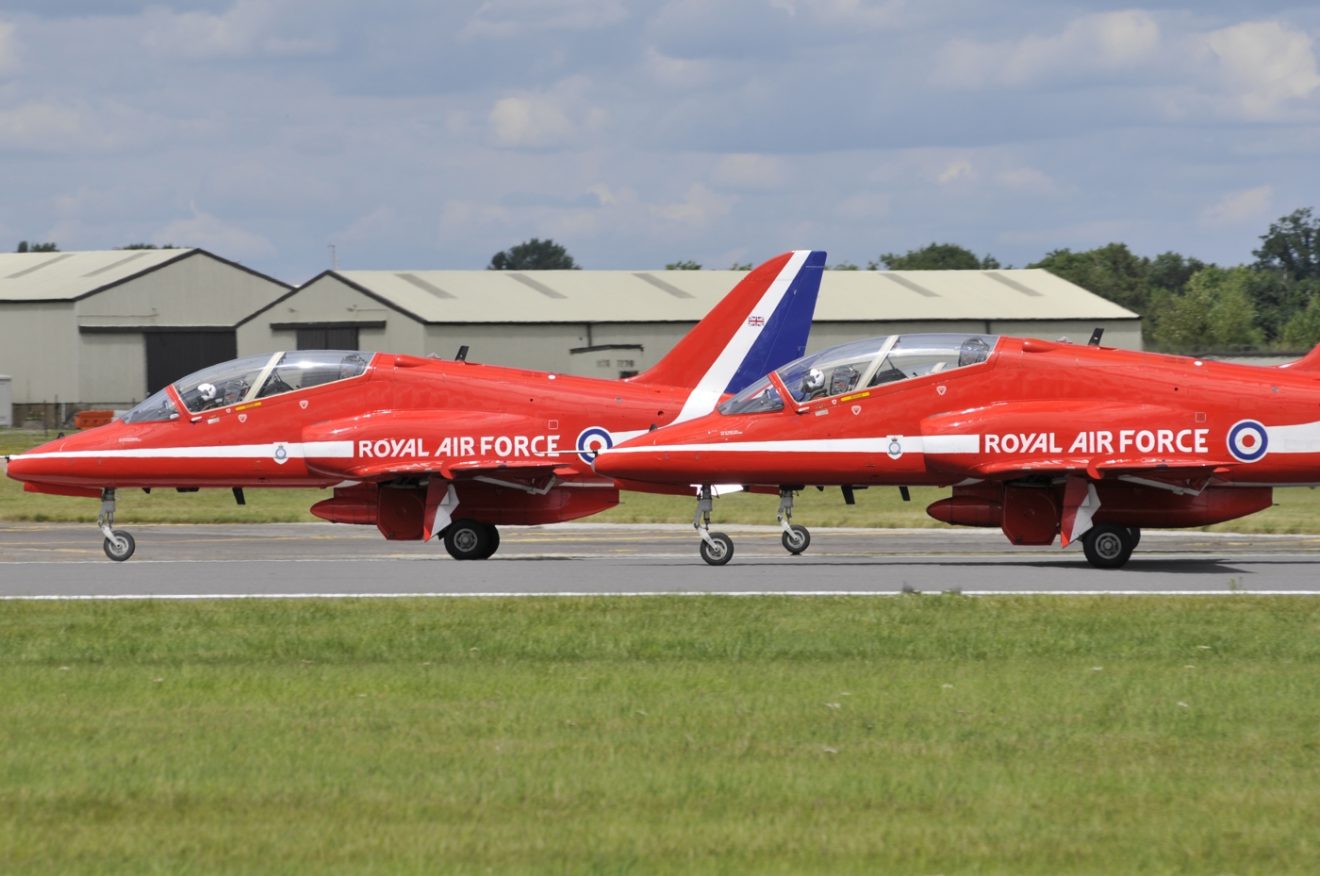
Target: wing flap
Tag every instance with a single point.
(1157, 467)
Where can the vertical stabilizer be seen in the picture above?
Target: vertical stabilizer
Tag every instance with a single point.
(761, 324)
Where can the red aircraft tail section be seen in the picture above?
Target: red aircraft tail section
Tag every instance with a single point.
(761, 324)
(1309, 362)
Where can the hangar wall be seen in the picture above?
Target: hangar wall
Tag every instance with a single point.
(328, 300)
(39, 349)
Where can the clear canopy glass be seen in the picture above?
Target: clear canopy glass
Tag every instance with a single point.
(249, 378)
(862, 364)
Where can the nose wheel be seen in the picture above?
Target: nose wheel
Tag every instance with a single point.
(118, 544)
(716, 548)
(795, 539)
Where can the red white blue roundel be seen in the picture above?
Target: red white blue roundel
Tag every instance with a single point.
(1248, 440)
(591, 441)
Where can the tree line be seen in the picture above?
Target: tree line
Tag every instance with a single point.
(1187, 305)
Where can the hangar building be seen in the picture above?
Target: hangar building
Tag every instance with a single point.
(615, 323)
(108, 328)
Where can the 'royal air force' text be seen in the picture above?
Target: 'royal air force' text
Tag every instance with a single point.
(1101, 441)
(460, 445)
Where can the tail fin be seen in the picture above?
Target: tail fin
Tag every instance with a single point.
(761, 324)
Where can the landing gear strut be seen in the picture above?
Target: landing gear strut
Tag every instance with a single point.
(795, 538)
(716, 547)
(468, 539)
(119, 545)
(1108, 545)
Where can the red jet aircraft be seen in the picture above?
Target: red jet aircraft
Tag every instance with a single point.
(1039, 438)
(420, 446)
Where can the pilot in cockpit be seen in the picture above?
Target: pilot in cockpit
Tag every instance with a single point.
(813, 384)
(973, 352)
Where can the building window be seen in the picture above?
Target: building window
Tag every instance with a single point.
(328, 338)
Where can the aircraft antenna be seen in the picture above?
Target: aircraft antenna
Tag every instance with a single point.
(1095, 337)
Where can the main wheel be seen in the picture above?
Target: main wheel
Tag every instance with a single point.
(467, 539)
(1108, 546)
(492, 543)
(120, 547)
(720, 552)
(796, 539)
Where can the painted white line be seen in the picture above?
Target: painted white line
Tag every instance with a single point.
(650, 593)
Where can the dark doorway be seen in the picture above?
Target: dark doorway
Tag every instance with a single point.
(174, 354)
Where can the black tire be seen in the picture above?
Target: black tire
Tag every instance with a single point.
(796, 540)
(1108, 545)
(1135, 532)
(120, 547)
(467, 540)
(492, 542)
(719, 553)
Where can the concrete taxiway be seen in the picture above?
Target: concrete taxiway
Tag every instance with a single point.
(42, 560)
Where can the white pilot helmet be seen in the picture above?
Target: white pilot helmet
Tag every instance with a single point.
(206, 391)
(814, 381)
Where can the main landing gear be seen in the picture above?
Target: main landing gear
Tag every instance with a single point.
(468, 539)
(1108, 545)
(119, 545)
(717, 548)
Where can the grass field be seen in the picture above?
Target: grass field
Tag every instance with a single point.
(1296, 510)
(771, 735)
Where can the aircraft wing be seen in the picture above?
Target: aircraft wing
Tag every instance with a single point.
(520, 470)
(1157, 468)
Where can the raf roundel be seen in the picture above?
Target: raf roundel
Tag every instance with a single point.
(591, 441)
(1248, 441)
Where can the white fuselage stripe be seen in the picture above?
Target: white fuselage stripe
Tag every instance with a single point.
(937, 444)
(292, 450)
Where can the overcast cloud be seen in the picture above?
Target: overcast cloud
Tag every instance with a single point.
(637, 134)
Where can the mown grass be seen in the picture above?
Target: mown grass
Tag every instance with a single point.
(1296, 510)
(767, 735)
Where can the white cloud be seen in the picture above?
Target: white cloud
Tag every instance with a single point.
(864, 207)
(203, 230)
(1240, 207)
(246, 29)
(8, 48)
(1026, 179)
(1264, 66)
(544, 120)
(955, 171)
(750, 171)
(1108, 42)
(506, 19)
(700, 207)
(672, 72)
(39, 126)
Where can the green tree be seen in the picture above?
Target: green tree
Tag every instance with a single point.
(843, 266)
(1214, 313)
(741, 266)
(149, 246)
(1111, 271)
(1292, 246)
(687, 265)
(935, 257)
(24, 246)
(1302, 331)
(533, 255)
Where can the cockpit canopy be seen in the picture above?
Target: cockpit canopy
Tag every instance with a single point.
(860, 365)
(251, 378)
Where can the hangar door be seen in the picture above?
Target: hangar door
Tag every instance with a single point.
(174, 354)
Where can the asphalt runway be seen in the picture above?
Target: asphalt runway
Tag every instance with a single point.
(47, 560)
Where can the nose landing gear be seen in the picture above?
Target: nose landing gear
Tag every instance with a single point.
(118, 545)
(716, 547)
(795, 538)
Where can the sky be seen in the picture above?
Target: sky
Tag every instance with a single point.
(293, 135)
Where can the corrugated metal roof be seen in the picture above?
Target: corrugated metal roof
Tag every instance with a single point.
(63, 276)
(685, 296)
